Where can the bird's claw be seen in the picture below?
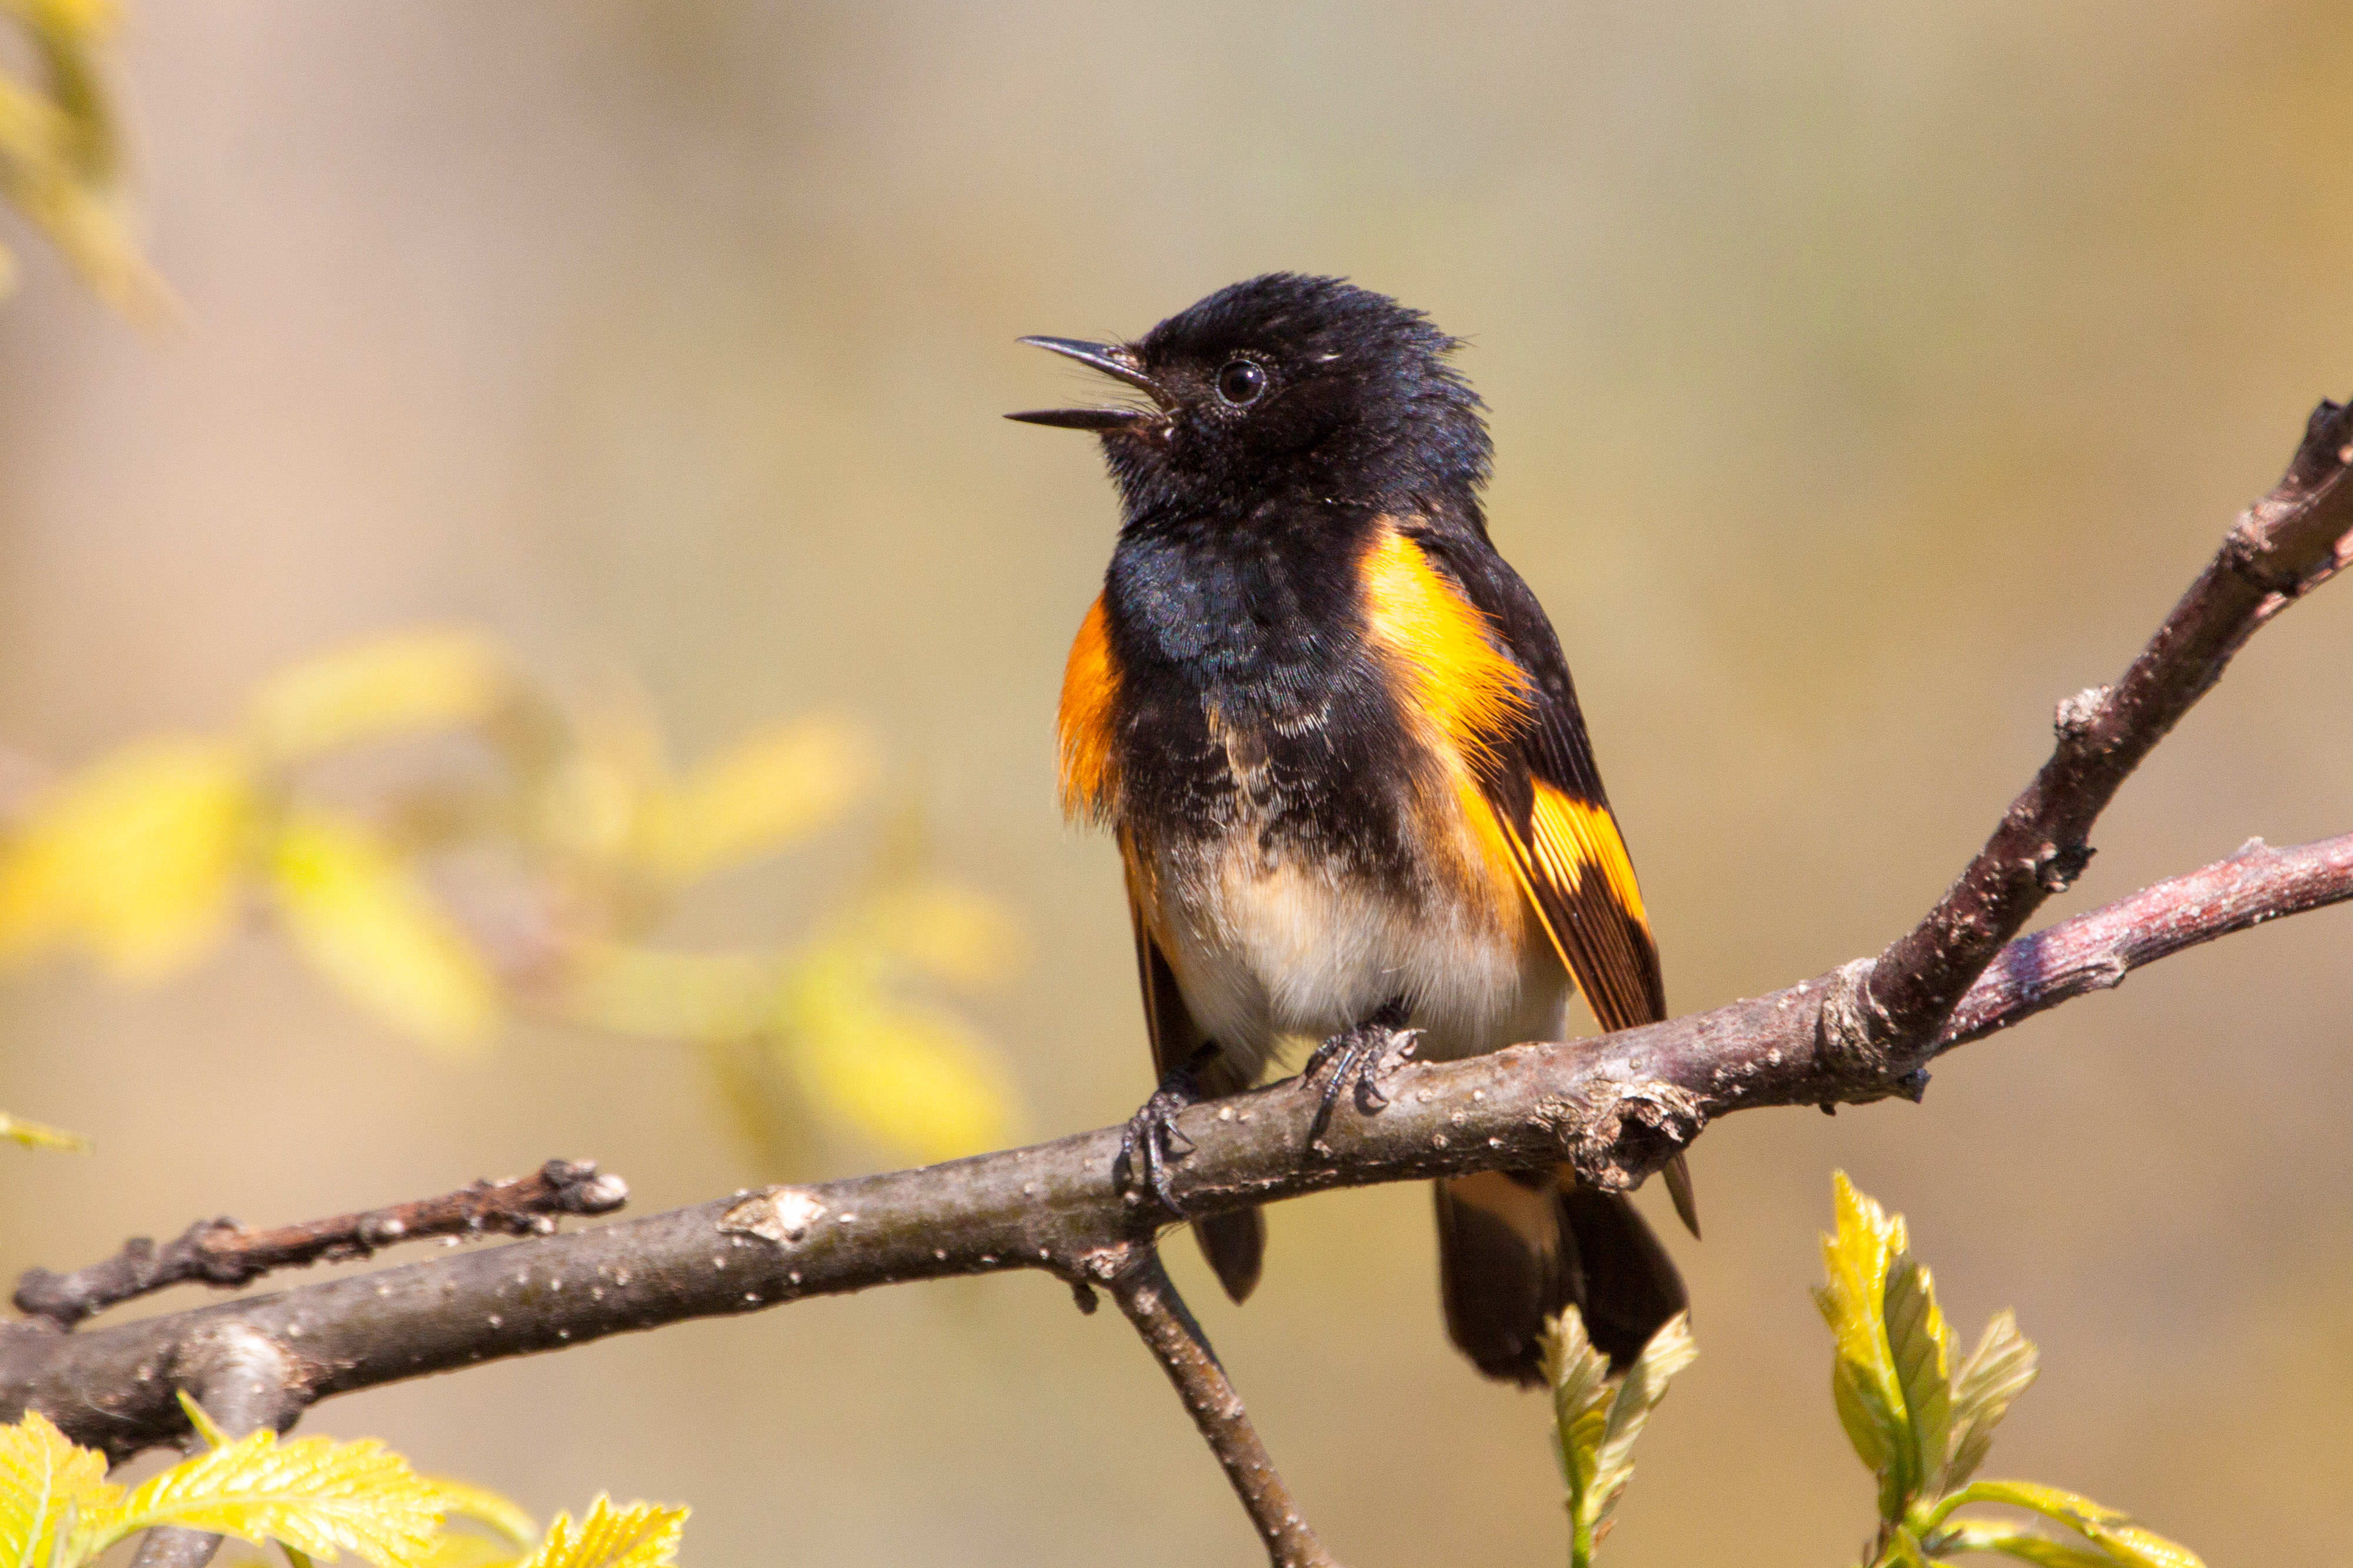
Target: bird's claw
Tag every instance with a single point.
(1152, 1141)
(1358, 1056)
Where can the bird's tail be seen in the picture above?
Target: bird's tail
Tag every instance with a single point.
(1514, 1248)
(1235, 1245)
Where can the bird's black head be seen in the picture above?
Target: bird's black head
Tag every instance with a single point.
(1285, 388)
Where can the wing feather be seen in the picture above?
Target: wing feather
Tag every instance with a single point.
(1545, 792)
(1541, 783)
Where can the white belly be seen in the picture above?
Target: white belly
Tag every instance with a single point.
(1277, 957)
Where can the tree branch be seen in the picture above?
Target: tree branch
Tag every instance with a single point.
(1616, 1107)
(222, 1252)
(2094, 952)
(2283, 547)
(240, 1378)
(1144, 1292)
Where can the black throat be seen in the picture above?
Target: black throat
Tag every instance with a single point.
(1249, 700)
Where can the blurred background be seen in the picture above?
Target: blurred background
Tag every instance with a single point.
(1864, 378)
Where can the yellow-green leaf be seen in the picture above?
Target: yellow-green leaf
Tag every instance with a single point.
(132, 860)
(466, 1548)
(752, 798)
(2014, 1541)
(2126, 1544)
(358, 913)
(50, 1486)
(1578, 1376)
(37, 1135)
(495, 1511)
(200, 1420)
(1858, 1257)
(320, 1497)
(641, 1535)
(1922, 1348)
(1597, 1419)
(417, 680)
(1671, 1350)
(58, 148)
(1997, 1372)
(2137, 1548)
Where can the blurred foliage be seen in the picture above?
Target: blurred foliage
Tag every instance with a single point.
(312, 1497)
(532, 884)
(59, 155)
(1597, 1418)
(34, 1135)
(1923, 1419)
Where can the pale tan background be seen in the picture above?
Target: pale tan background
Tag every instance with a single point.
(1865, 377)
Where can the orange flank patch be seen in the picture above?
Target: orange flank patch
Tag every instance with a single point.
(1574, 838)
(1090, 700)
(1440, 650)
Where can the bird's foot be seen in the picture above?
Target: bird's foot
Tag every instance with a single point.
(1152, 1143)
(1359, 1056)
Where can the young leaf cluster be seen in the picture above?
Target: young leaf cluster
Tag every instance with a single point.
(1922, 1417)
(519, 863)
(312, 1498)
(1596, 1417)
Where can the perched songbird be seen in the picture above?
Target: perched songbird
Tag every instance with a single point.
(1336, 738)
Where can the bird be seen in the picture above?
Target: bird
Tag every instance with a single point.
(1335, 737)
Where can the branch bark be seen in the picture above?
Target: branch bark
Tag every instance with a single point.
(1617, 1107)
(2283, 547)
(1149, 1299)
(223, 1253)
(240, 1378)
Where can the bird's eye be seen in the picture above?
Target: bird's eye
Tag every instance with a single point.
(1241, 382)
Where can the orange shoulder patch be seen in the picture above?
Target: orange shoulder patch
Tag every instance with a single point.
(1090, 704)
(1466, 693)
(1441, 649)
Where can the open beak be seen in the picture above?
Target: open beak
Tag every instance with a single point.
(1114, 360)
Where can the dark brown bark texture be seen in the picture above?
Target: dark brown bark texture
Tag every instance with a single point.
(223, 1252)
(1617, 1107)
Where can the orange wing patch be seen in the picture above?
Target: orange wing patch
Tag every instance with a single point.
(1574, 867)
(1574, 838)
(1090, 701)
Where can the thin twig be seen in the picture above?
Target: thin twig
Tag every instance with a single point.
(2096, 951)
(223, 1253)
(1141, 1285)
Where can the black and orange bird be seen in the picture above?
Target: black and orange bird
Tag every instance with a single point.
(1334, 736)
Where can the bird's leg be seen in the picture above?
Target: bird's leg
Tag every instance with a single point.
(1358, 1055)
(1152, 1140)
